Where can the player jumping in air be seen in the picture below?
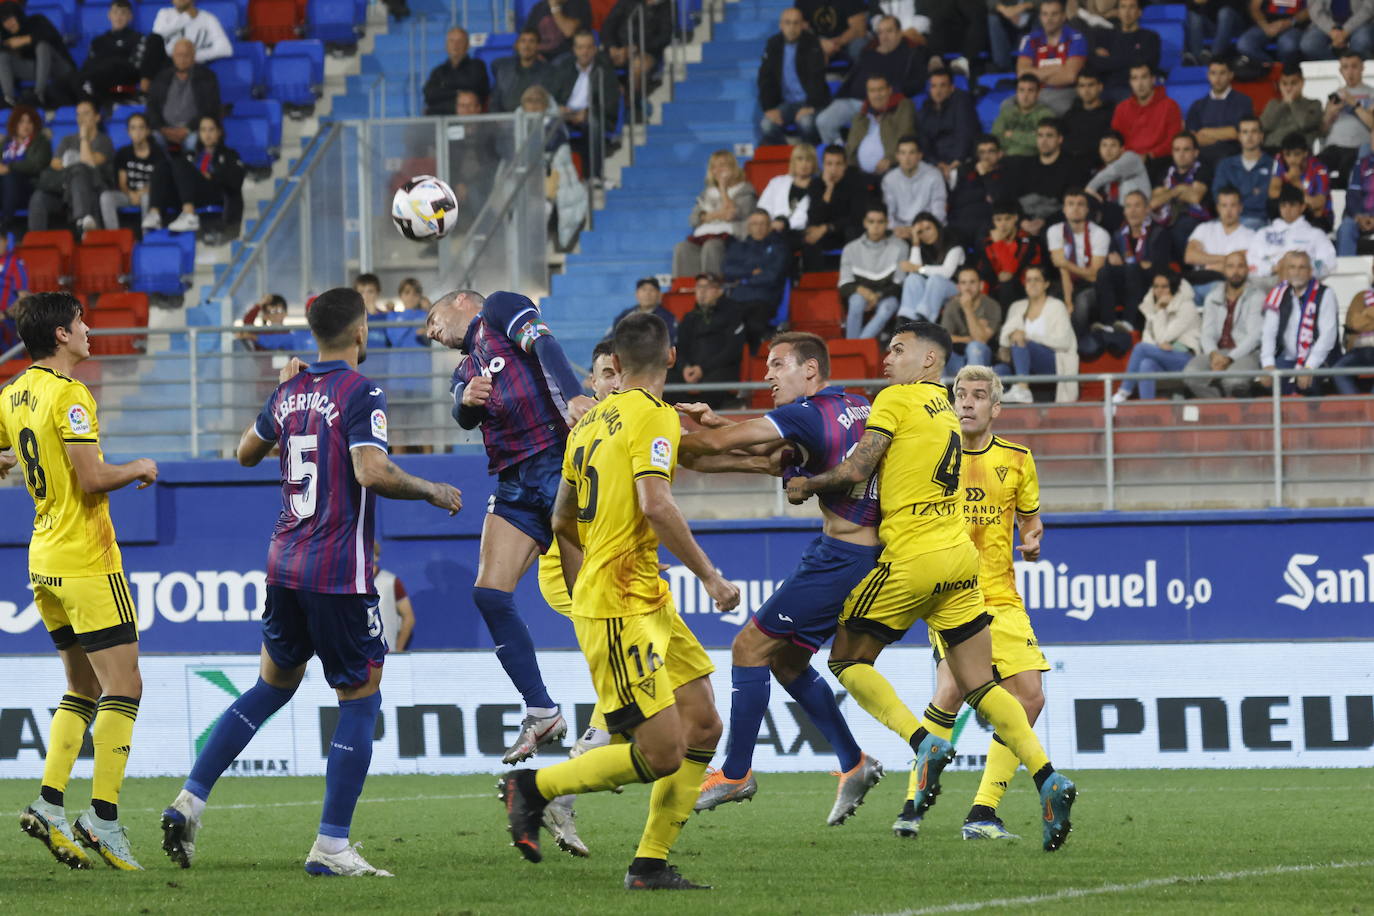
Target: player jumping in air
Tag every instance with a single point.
(928, 571)
(49, 420)
(652, 677)
(999, 489)
(824, 423)
(331, 426)
(516, 383)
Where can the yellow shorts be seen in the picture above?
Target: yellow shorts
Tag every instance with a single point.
(552, 586)
(939, 587)
(95, 611)
(637, 662)
(1014, 646)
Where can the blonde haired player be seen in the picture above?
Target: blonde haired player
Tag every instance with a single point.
(1000, 490)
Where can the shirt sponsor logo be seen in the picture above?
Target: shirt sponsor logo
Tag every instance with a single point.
(379, 424)
(79, 420)
(661, 453)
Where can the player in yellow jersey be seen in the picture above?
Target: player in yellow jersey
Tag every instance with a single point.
(48, 419)
(1000, 492)
(928, 571)
(614, 507)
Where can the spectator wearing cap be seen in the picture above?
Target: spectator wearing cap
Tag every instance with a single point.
(1279, 21)
(1338, 25)
(710, 343)
(648, 299)
(182, 20)
(1116, 50)
(511, 76)
(458, 73)
(555, 22)
(947, 124)
(836, 214)
(756, 268)
(892, 57)
(1149, 119)
(1055, 54)
(121, 61)
(912, 188)
(31, 48)
(1019, 116)
(791, 81)
(1291, 111)
(1300, 169)
(1214, 118)
(886, 117)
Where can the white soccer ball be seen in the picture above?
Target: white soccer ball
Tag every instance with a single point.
(424, 208)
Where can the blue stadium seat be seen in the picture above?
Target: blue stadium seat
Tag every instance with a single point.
(230, 15)
(92, 20)
(145, 13)
(157, 268)
(1188, 93)
(235, 79)
(63, 123)
(118, 132)
(310, 48)
(60, 14)
(1157, 13)
(270, 111)
(288, 80)
(184, 242)
(255, 53)
(333, 21)
(251, 137)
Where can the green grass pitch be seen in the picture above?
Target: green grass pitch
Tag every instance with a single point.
(1201, 842)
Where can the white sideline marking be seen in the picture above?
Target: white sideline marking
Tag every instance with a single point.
(1078, 892)
(316, 802)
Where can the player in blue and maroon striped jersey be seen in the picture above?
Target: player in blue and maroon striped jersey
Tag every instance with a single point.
(516, 384)
(330, 422)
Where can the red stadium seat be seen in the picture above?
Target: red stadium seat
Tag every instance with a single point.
(781, 152)
(679, 303)
(116, 344)
(760, 173)
(817, 311)
(852, 359)
(820, 279)
(61, 239)
(271, 21)
(600, 10)
(134, 303)
(44, 266)
(123, 239)
(97, 268)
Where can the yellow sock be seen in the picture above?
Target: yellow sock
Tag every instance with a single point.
(112, 736)
(913, 782)
(1008, 718)
(997, 774)
(671, 804)
(876, 696)
(939, 722)
(65, 735)
(599, 719)
(599, 769)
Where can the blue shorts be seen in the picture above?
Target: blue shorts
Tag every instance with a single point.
(525, 493)
(345, 631)
(806, 607)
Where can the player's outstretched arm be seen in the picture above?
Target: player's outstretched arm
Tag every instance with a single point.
(565, 529)
(758, 431)
(856, 468)
(95, 476)
(656, 501)
(377, 472)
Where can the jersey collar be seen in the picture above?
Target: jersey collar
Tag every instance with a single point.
(328, 365)
(49, 371)
(828, 389)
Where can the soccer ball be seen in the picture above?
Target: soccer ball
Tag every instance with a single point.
(424, 208)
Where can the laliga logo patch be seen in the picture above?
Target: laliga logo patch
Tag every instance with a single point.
(661, 454)
(379, 424)
(78, 419)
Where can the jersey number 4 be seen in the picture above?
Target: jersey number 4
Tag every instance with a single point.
(947, 468)
(586, 495)
(302, 471)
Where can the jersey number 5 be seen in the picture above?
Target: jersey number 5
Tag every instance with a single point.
(33, 471)
(947, 468)
(303, 472)
(586, 496)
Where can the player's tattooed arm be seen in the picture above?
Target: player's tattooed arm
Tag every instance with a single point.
(857, 468)
(375, 470)
(565, 530)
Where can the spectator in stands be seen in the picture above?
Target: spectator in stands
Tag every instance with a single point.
(1149, 119)
(1019, 116)
(271, 309)
(836, 215)
(1037, 338)
(1231, 325)
(1212, 241)
(1170, 337)
(1339, 25)
(710, 343)
(930, 269)
(1348, 117)
(871, 276)
(1290, 232)
(1301, 326)
(27, 152)
(658, 34)
(1279, 21)
(1220, 20)
(1006, 253)
(1248, 172)
(14, 285)
(791, 81)
(957, 33)
(210, 175)
(555, 22)
(82, 166)
(756, 268)
(182, 20)
(122, 61)
(912, 23)
(841, 25)
(885, 118)
(972, 320)
(588, 96)
(1138, 249)
(1213, 119)
(719, 215)
(1087, 119)
(394, 609)
(1039, 182)
(902, 64)
(181, 96)
(1291, 111)
(1297, 167)
(458, 73)
(1116, 51)
(467, 103)
(1095, 14)
(1078, 249)
(1054, 54)
(648, 298)
(511, 76)
(947, 125)
(912, 188)
(977, 187)
(1122, 173)
(1008, 25)
(133, 170)
(369, 286)
(31, 48)
(787, 198)
(410, 298)
(1357, 222)
(1359, 341)
(566, 199)
(1180, 200)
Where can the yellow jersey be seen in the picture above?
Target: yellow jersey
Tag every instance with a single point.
(999, 483)
(918, 481)
(551, 584)
(40, 412)
(630, 434)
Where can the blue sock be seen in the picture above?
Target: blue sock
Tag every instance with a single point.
(514, 647)
(816, 697)
(748, 703)
(231, 734)
(350, 752)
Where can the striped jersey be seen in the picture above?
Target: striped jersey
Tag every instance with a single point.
(826, 426)
(526, 413)
(323, 538)
(1042, 51)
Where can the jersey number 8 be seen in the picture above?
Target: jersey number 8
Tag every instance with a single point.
(33, 471)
